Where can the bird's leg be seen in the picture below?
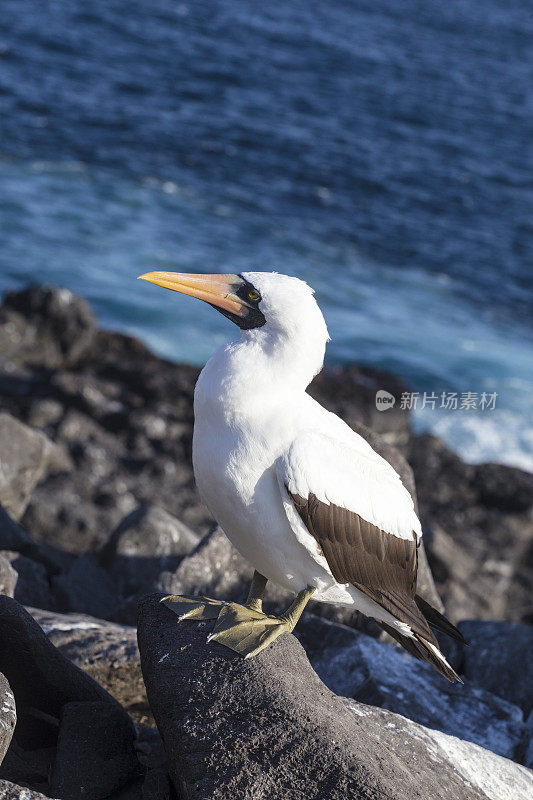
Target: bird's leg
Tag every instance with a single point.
(254, 600)
(199, 607)
(247, 631)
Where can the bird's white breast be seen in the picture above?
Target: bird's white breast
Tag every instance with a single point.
(235, 448)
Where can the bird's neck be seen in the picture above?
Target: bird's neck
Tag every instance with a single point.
(260, 368)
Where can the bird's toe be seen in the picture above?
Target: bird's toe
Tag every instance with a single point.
(194, 608)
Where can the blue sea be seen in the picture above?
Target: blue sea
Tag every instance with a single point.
(379, 150)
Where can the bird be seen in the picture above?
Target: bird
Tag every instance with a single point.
(303, 497)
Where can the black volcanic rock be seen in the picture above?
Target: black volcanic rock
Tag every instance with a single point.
(46, 328)
(95, 755)
(267, 728)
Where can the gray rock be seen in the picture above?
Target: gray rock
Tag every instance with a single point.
(32, 587)
(500, 659)
(46, 327)
(8, 716)
(467, 589)
(86, 588)
(11, 791)
(95, 755)
(147, 542)
(383, 675)
(41, 678)
(214, 568)
(8, 577)
(268, 727)
(105, 651)
(24, 456)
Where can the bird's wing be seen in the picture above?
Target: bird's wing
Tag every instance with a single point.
(362, 517)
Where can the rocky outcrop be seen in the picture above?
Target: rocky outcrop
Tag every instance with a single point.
(268, 727)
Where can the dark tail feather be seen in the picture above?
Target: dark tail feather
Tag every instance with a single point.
(438, 621)
(421, 649)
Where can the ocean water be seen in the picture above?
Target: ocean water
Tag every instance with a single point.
(382, 152)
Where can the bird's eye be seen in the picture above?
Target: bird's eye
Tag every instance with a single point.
(253, 295)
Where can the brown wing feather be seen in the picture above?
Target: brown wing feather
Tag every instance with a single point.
(382, 566)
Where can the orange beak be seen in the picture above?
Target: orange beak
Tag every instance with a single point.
(217, 290)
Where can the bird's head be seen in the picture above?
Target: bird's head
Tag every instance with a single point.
(266, 301)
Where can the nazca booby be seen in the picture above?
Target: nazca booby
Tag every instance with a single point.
(301, 496)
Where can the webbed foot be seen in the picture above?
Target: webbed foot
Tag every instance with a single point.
(247, 631)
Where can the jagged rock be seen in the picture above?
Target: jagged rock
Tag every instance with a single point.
(465, 586)
(383, 675)
(268, 727)
(46, 327)
(8, 715)
(11, 791)
(105, 651)
(95, 755)
(500, 659)
(86, 588)
(147, 542)
(31, 582)
(24, 456)
(8, 577)
(41, 678)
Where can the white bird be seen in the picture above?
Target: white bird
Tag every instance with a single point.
(301, 496)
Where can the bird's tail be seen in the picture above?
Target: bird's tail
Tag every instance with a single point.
(423, 645)
(424, 650)
(438, 621)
